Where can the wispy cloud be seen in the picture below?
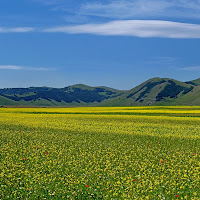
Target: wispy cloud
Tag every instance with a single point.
(137, 28)
(16, 30)
(12, 67)
(48, 2)
(126, 9)
(17, 67)
(165, 60)
(192, 68)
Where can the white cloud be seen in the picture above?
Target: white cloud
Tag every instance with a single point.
(193, 68)
(17, 30)
(137, 28)
(126, 9)
(13, 67)
(17, 67)
(123, 9)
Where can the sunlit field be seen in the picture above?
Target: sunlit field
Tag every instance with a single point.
(100, 153)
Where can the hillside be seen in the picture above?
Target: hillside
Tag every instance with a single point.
(155, 91)
(195, 82)
(44, 96)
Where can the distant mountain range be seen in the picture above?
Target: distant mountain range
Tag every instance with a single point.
(155, 91)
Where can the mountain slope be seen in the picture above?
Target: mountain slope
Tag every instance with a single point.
(73, 95)
(6, 101)
(195, 82)
(155, 91)
(191, 98)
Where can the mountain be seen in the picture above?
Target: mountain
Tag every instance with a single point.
(75, 95)
(195, 82)
(155, 91)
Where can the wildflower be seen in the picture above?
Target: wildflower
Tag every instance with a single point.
(23, 159)
(176, 195)
(47, 152)
(86, 186)
(134, 180)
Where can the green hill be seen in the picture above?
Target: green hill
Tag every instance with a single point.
(195, 82)
(155, 91)
(7, 101)
(76, 95)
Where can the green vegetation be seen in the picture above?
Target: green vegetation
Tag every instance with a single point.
(194, 82)
(155, 91)
(100, 153)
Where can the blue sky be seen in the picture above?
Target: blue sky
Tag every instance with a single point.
(116, 43)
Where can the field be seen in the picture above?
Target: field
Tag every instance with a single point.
(100, 153)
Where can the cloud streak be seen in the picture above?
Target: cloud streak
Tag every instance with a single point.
(193, 68)
(17, 67)
(17, 30)
(137, 28)
(126, 9)
(163, 61)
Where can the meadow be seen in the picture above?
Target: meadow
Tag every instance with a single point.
(100, 153)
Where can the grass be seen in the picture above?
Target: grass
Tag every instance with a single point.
(100, 153)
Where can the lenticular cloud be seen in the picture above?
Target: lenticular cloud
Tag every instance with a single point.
(137, 28)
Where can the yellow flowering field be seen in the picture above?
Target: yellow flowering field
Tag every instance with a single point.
(100, 153)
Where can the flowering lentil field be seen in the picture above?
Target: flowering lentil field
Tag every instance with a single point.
(100, 153)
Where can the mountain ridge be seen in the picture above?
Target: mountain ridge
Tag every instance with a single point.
(155, 91)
